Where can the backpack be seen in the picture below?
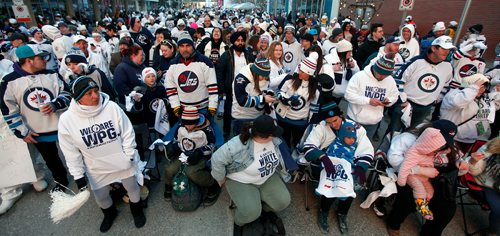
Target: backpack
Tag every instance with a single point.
(186, 196)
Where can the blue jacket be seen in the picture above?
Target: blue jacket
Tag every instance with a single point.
(235, 156)
(127, 76)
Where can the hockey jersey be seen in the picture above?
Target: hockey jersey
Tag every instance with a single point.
(22, 95)
(464, 66)
(422, 81)
(191, 83)
(298, 114)
(292, 55)
(247, 102)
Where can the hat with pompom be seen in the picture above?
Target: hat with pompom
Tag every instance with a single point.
(309, 64)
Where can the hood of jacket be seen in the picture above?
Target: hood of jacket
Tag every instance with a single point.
(89, 111)
(51, 32)
(429, 141)
(409, 27)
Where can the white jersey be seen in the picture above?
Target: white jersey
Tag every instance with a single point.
(292, 55)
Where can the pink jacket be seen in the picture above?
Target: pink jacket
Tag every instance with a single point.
(421, 153)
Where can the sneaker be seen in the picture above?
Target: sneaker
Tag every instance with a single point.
(342, 220)
(40, 185)
(58, 188)
(323, 221)
(377, 211)
(7, 204)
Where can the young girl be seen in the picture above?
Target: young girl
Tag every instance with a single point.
(344, 69)
(216, 47)
(153, 94)
(298, 98)
(430, 144)
(275, 55)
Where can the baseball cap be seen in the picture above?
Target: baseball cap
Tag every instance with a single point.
(393, 39)
(77, 38)
(447, 128)
(26, 51)
(444, 42)
(265, 125)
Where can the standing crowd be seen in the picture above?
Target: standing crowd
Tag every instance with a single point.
(101, 96)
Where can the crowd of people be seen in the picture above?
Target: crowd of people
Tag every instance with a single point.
(99, 93)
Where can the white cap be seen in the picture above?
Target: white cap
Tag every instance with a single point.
(77, 38)
(444, 42)
(12, 21)
(181, 22)
(453, 23)
(439, 26)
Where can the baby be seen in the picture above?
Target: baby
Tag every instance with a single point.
(429, 145)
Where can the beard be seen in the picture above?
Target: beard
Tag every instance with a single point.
(239, 48)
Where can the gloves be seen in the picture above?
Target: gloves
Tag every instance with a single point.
(195, 157)
(173, 150)
(213, 111)
(295, 100)
(81, 183)
(330, 169)
(479, 45)
(177, 111)
(360, 172)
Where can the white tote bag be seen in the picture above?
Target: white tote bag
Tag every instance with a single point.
(339, 184)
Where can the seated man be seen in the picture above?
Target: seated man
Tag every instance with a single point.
(193, 143)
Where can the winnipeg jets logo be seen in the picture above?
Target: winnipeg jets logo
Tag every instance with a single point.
(153, 105)
(288, 57)
(428, 83)
(467, 70)
(188, 81)
(35, 97)
(188, 144)
(404, 52)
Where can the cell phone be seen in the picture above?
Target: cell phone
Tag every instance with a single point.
(386, 102)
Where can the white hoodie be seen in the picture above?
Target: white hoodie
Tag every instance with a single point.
(98, 141)
(361, 88)
(459, 105)
(410, 48)
(60, 43)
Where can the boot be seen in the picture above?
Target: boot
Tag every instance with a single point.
(323, 221)
(138, 214)
(237, 230)
(212, 194)
(109, 216)
(423, 208)
(342, 219)
(167, 195)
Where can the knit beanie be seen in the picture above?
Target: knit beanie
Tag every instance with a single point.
(264, 25)
(347, 130)
(16, 36)
(470, 80)
(476, 29)
(384, 65)
(273, 30)
(236, 35)
(344, 46)
(185, 37)
(34, 30)
(190, 115)
(439, 26)
(146, 71)
(330, 109)
(308, 65)
(261, 67)
(75, 55)
(81, 85)
(290, 28)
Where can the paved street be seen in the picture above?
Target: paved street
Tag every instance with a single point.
(30, 216)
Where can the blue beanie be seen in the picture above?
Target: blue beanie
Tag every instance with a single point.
(185, 37)
(347, 130)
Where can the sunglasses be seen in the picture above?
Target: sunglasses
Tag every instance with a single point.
(167, 43)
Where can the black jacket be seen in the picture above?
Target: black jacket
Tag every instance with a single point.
(366, 49)
(225, 69)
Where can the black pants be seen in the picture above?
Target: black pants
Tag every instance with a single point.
(404, 204)
(50, 155)
(343, 207)
(292, 133)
